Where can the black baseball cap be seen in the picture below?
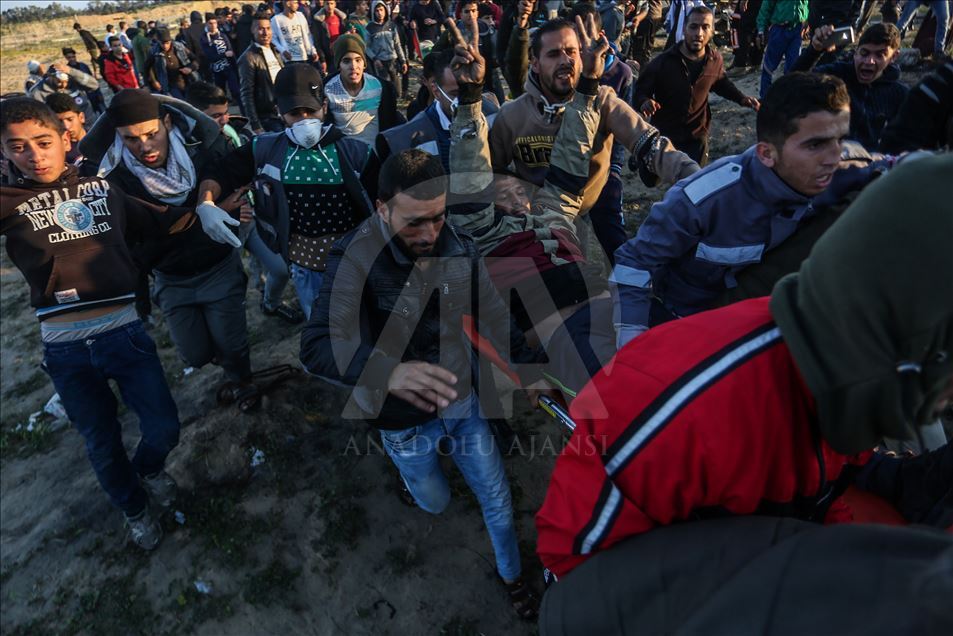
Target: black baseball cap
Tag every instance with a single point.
(299, 85)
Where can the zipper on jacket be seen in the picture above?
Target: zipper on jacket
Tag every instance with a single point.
(823, 491)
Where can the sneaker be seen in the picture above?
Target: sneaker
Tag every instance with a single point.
(284, 311)
(144, 530)
(161, 488)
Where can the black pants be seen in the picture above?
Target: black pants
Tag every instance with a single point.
(389, 70)
(606, 216)
(697, 149)
(643, 40)
(748, 53)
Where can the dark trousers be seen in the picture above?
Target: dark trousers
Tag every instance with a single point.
(748, 52)
(206, 316)
(389, 70)
(228, 80)
(697, 149)
(643, 40)
(582, 345)
(81, 370)
(606, 217)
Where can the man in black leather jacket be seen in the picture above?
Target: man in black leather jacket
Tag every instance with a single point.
(257, 68)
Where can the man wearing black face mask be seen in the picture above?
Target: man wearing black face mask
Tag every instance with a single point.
(307, 190)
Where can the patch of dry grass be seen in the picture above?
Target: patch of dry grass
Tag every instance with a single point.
(42, 41)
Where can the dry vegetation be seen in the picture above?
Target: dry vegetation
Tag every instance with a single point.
(42, 41)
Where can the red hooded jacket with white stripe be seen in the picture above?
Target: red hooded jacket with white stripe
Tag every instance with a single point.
(723, 425)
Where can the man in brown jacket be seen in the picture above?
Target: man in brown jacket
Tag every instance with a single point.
(522, 135)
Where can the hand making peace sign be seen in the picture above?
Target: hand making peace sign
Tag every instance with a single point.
(467, 65)
(593, 47)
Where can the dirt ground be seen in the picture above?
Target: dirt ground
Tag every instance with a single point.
(287, 520)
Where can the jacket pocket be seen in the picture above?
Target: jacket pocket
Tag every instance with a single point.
(402, 442)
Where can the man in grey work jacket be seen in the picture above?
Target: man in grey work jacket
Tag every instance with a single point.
(725, 218)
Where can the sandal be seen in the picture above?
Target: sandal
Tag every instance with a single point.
(522, 598)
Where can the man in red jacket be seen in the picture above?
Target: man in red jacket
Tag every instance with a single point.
(772, 406)
(120, 70)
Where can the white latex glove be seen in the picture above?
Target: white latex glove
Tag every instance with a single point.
(625, 333)
(215, 222)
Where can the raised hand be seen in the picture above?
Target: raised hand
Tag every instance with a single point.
(467, 65)
(822, 36)
(649, 108)
(524, 12)
(593, 49)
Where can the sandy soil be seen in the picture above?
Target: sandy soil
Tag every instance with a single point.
(42, 41)
(311, 540)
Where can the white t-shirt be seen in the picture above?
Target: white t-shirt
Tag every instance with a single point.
(292, 35)
(273, 65)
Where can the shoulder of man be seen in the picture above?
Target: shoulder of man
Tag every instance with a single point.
(513, 106)
(706, 186)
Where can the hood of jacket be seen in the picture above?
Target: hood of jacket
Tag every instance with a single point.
(541, 104)
(197, 128)
(869, 316)
(374, 6)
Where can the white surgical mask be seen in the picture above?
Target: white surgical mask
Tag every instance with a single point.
(306, 132)
(454, 101)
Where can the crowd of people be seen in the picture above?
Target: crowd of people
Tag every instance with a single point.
(777, 327)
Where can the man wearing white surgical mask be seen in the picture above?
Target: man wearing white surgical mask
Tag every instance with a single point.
(307, 189)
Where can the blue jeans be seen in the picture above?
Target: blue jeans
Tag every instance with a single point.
(781, 42)
(941, 10)
(307, 283)
(80, 370)
(414, 452)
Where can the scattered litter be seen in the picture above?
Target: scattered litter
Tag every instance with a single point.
(257, 457)
(202, 587)
(188, 371)
(180, 517)
(54, 406)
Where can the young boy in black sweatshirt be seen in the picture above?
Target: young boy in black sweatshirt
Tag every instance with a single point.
(68, 236)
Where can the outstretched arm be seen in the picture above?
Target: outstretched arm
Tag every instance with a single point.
(560, 198)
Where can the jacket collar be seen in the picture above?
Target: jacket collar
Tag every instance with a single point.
(197, 128)
(69, 177)
(769, 188)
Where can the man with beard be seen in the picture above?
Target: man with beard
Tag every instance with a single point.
(673, 89)
(70, 236)
(872, 78)
(413, 383)
(523, 133)
(156, 149)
